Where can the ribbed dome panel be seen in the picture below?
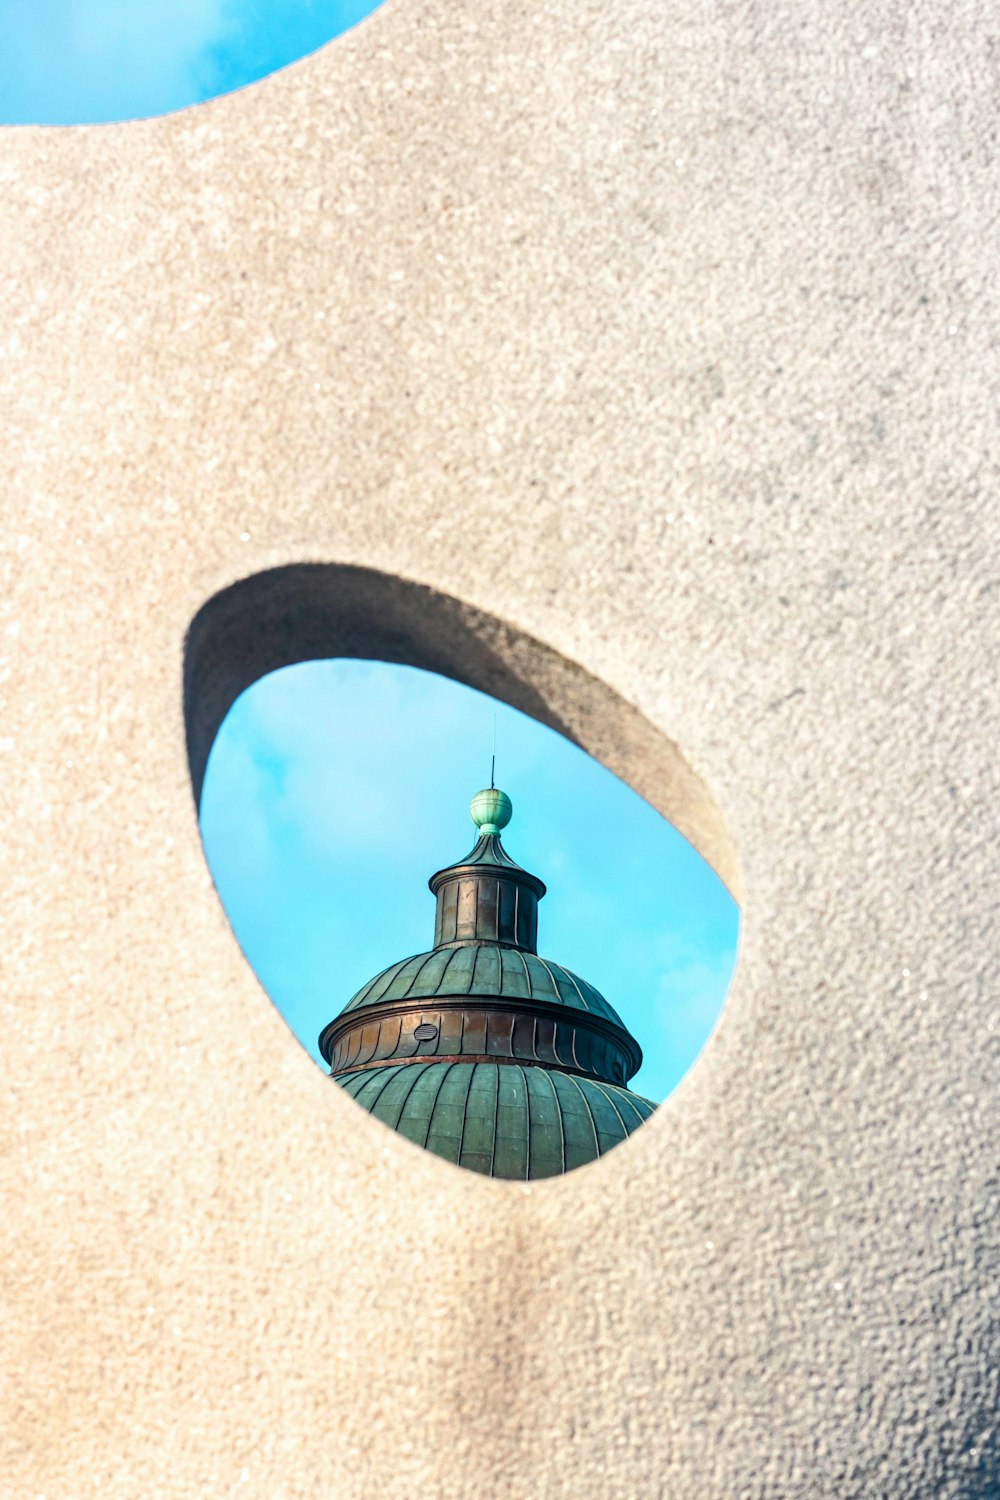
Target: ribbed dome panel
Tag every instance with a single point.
(501, 1120)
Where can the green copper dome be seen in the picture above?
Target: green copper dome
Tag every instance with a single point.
(479, 1050)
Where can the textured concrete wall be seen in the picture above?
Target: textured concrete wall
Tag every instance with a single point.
(657, 344)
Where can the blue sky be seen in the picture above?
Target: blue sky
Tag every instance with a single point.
(335, 789)
(65, 62)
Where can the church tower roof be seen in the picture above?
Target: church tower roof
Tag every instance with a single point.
(480, 1050)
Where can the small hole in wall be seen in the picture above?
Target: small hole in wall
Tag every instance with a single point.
(120, 59)
(335, 788)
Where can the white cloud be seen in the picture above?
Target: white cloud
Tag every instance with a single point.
(689, 999)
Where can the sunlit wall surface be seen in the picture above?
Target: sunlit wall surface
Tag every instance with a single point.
(335, 789)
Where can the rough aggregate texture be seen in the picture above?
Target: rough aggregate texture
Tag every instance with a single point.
(690, 311)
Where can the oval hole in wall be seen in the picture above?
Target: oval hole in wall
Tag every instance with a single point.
(349, 716)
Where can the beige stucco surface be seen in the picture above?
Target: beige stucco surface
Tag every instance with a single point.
(664, 336)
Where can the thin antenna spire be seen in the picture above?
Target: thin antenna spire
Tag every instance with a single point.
(493, 760)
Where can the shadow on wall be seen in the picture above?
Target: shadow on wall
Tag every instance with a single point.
(311, 611)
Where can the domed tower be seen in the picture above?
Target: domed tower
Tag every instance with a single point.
(479, 1050)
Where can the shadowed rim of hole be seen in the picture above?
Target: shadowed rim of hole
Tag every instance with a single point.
(312, 611)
